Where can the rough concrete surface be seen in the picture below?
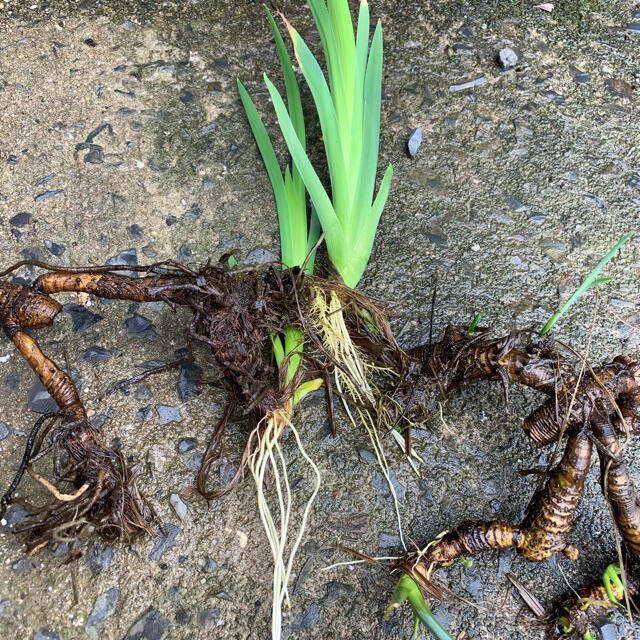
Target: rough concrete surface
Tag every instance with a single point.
(121, 131)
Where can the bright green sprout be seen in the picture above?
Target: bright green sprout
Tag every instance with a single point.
(591, 281)
(407, 589)
(349, 113)
(565, 624)
(588, 636)
(611, 576)
(466, 562)
(231, 262)
(473, 325)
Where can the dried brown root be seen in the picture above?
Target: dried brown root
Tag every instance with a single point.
(433, 372)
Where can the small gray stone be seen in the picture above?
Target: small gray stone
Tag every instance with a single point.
(380, 483)
(104, 606)
(192, 461)
(187, 444)
(634, 182)
(46, 634)
(478, 82)
(127, 25)
(98, 559)
(22, 566)
(168, 414)
(96, 354)
(634, 27)
(54, 248)
(48, 194)
(140, 327)
(128, 257)
(367, 456)
(207, 618)
(20, 219)
(178, 506)
(554, 96)
(513, 202)
(4, 605)
(537, 219)
(162, 543)
(414, 142)
(608, 630)
(507, 58)
(82, 318)
(190, 375)
(207, 184)
(151, 626)
(261, 256)
(210, 565)
(5, 431)
(389, 540)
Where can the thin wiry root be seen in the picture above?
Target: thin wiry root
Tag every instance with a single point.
(268, 456)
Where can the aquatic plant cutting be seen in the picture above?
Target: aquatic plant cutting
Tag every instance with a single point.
(278, 332)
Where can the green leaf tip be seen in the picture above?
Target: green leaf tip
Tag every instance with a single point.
(407, 589)
(591, 281)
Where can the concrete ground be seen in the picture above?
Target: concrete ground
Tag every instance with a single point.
(122, 136)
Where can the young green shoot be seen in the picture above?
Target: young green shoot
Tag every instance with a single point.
(348, 108)
(591, 281)
(407, 589)
(473, 325)
(297, 239)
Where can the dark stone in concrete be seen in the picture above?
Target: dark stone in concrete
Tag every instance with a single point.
(48, 194)
(140, 327)
(5, 431)
(414, 142)
(186, 444)
(46, 634)
(99, 558)
(96, 354)
(54, 248)
(135, 231)
(12, 380)
(21, 219)
(208, 618)
(168, 414)
(210, 565)
(128, 257)
(183, 616)
(190, 375)
(507, 58)
(617, 88)
(104, 606)
(82, 318)
(15, 515)
(261, 256)
(151, 626)
(162, 543)
(22, 566)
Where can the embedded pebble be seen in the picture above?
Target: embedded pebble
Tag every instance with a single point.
(140, 327)
(151, 626)
(168, 414)
(380, 483)
(54, 248)
(478, 82)
(190, 375)
(96, 354)
(414, 141)
(12, 380)
(135, 230)
(388, 540)
(162, 543)
(183, 616)
(48, 194)
(634, 27)
(46, 634)
(82, 318)
(367, 456)
(617, 88)
(260, 256)
(507, 58)
(634, 182)
(207, 618)
(144, 413)
(99, 558)
(187, 444)
(129, 257)
(4, 604)
(104, 606)
(22, 566)
(210, 565)
(5, 431)
(178, 506)
(20, 219)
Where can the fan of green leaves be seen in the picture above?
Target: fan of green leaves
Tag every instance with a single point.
(349, 113)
